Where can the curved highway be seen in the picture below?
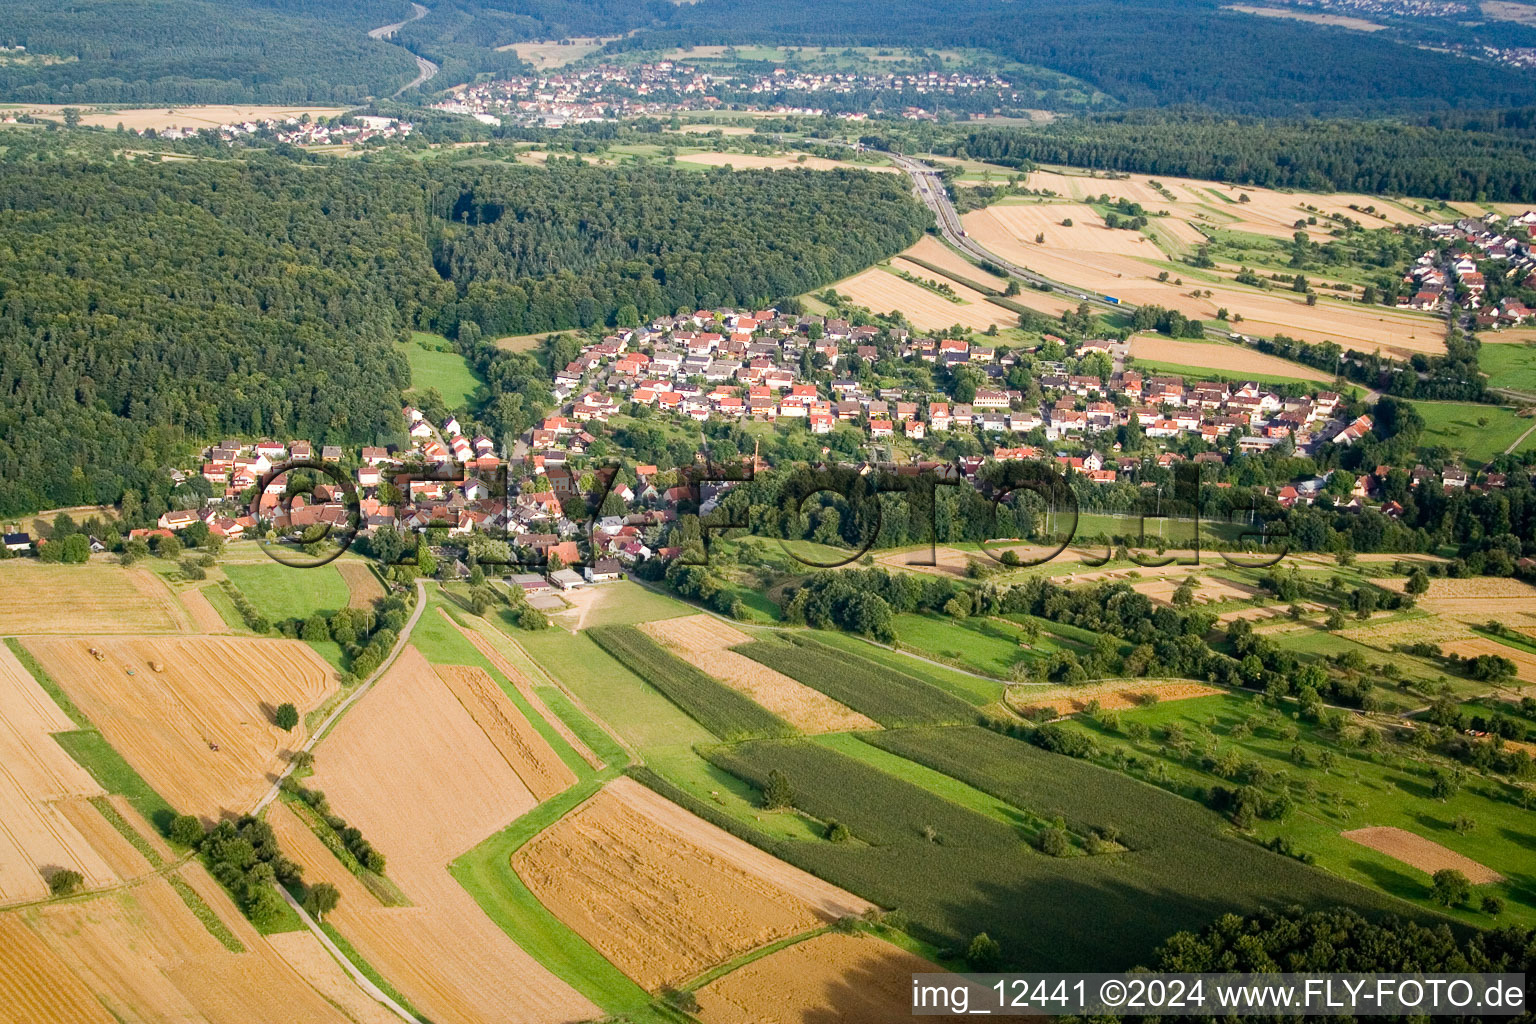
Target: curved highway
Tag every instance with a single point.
(425, 69)
(930, 187)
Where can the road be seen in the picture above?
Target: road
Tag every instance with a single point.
(354, 696)
(425, 69)
(931, 190)
(373, 991)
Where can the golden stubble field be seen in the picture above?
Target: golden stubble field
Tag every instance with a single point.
(666, 895)
(192, 117)
(1134, 280)
(207, 692)
(41, 791)
(882, 291)
(1225, 360)
(704, 642)
(423, 795)
(850, 979)
(99, 598)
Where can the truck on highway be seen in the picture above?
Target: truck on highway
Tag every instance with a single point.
(1112, 300)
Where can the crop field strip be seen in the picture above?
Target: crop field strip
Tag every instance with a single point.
(889, 697)
(726, 713)
(936, 881)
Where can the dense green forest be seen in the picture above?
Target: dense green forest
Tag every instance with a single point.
(147, 305)
(1141, 52)
(533, 250)
(200, 51)
(1479, 159)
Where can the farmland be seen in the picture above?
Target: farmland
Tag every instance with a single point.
(851, 978)
(1220, 358)
(279, 592)
(423, 796)
(363, 585)
(889, 697)
(199, 733)
(101, 598)
(1476, 433)
(955, 871)
(715, 706)
(883, 291)
(686, 907)
(1336, 788)
(704, 642)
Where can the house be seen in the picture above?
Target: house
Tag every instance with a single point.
(177, 520)
(17, 542)
(603, 570)
(566, 579)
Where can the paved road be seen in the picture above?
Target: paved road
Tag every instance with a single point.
(931, 190)
(376, 993)
(425, 69)
(354, 696)
(388, 31)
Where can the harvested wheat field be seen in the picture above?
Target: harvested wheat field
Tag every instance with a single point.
(883, 292)
(526, 689)
(556, 53)
(303, 952)
(423, 794)
(1112, 696)
(205, 617)
(627, 873)
(526, 752)
(39, 783)
(753, 162)
(101, 598)
(36, 986)
(145, 957)
(931, 250)
(1477, 599)
(209, 691)
(442, 953)
(1087, 233)
(362, 584)
(1208, 590)
(1417, 852)
(1263, 312)
(704, 642)
(1525, 661)
(193, 117)
(1219, 358)
(850, 979)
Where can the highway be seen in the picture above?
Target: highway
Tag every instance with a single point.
(425, 69)
(930, 188)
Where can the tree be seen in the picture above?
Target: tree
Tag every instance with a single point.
(265, 907)
(778, 792)
(1418, 582)
(1450, 888)
(321, 899)
(1053, 842)
(316, 629)
(187, 830)
(65, 882)
(984, 953)
(287, 717)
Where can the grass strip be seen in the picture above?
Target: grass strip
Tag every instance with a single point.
(204, 913)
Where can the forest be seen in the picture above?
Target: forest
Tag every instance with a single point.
(1202, 55)
(1493, 163)
(147, 307)
(200, 51)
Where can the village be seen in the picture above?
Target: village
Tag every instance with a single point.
(748, 366)
(610, 92)
(1459, 280)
